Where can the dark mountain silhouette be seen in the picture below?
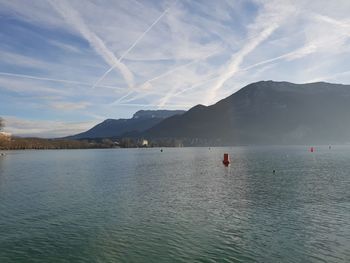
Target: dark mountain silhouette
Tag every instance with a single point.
(266, 112)
(141, 121)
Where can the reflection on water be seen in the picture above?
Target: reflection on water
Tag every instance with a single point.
(180, 205)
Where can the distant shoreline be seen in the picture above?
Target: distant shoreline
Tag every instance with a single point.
(51, 144)
(17, 143)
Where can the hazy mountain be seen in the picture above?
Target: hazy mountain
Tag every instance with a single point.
(266, 112)
(141, 121)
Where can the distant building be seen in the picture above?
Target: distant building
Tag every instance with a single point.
(144, 143)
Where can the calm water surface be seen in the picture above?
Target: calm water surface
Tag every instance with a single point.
(182, 205)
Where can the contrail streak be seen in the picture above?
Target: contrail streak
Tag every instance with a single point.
(194, 86)
(297, 53)
(177, 68)
(132, 46)
(155, 105)
(54, 80)
(166, 74)
(266, 23)
(73, 18)
(238, 58)
(123, 97)
(172, 94)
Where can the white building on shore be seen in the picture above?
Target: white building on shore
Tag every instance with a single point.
(144, 143)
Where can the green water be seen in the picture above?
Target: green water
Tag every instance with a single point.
(179, 205)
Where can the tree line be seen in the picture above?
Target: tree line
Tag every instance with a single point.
(18, 143)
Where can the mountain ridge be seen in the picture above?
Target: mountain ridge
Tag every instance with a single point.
(263, 112)
(266, 112)
(113, 128)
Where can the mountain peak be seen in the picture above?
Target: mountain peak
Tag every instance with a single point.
(141, 120)
(266, 112)
(197, 108)
(150, 114)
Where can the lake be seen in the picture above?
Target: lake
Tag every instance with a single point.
(179, 205)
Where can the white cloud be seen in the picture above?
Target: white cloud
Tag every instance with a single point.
(197, 52)
(64, 81)
(65, 46)
(70, 106)
(24, 61)
(265, 24)
(32, 87)
(43, 128)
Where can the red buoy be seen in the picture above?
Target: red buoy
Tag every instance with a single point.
(226, 160)
(312, 149)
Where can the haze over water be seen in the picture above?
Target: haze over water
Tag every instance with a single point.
(181, 205)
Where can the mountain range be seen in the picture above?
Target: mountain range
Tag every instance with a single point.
(265, 112)
(114, 128)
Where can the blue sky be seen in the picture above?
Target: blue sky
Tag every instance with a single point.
(67, 65)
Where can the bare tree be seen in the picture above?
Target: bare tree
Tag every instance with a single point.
(1, 123)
